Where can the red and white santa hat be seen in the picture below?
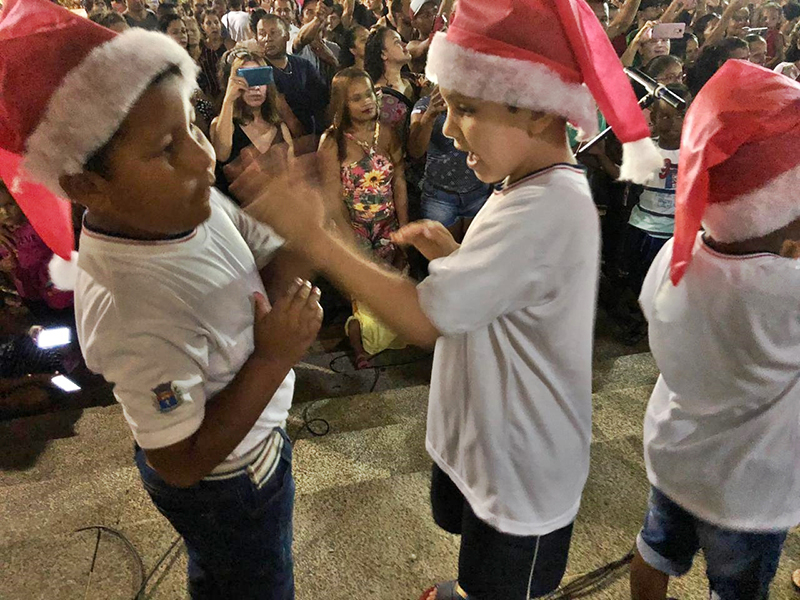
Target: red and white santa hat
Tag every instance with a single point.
(67, 85)
(739, 173)
(544, 55)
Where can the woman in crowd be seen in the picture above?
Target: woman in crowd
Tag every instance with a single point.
(687, 49)
(705, 25)
(385, 55)
(665, 69)
(451, 193)
(369, 161)
(175, 27)
(195, 38)
(214, 46)
(353, 46)
(712, 58)
(644, 47)
(249, 115)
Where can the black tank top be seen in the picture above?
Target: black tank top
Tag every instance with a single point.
(239, 142)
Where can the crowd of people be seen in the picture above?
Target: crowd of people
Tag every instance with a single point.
(440, 135)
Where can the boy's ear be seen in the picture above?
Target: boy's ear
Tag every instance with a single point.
(539, 122)
(86, 188)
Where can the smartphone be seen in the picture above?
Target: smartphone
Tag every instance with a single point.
(255, 76)
(53, 337)
(668, 31)
(65, 384)
(756, 30)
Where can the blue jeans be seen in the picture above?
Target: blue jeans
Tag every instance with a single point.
(448, 207)
(741, 564)
(238, 536)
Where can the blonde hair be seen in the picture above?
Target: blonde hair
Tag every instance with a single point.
(340, 117)
(230, 63)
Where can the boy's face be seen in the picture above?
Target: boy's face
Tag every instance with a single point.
(424, 20)
(692, 51)
(496, 140)
(668, 123)
(758, 52)
(160, 168)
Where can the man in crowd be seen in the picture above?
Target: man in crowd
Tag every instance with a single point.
(758, 49)
(138, 15)
(286, 10)
(309, 42)
(423, 20)
(295, 77)
(237, 22)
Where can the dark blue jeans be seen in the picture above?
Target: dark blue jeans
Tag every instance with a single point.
(238, 536)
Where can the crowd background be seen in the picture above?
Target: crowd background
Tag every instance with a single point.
(348, 79)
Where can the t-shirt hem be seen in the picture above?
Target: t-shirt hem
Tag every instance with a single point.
(503, 524)
(752, 524)
(167, 437)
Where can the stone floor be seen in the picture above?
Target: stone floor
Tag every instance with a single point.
(362, 523)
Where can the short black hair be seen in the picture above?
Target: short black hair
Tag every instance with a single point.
(255, 17)
(165, 21)
(681, 91)
(274, 17)
(98, 162)
(652, 4)
(791, 11)
(753, 38)
(111, 18)
(235, 4)
(166, 9)
(659, 64)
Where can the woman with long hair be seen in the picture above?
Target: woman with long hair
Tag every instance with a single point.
(385, 55)
(214, 46)
(175, 27)
(249, 115)
(367, 161)
(354, 42)
(194, 38)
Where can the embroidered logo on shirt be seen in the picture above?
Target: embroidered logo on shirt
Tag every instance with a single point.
(168, 397)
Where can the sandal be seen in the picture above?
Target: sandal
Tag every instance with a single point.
(443, 591)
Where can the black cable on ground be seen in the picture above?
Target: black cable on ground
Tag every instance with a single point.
(121, 536)
(147, 579)
(591, 582)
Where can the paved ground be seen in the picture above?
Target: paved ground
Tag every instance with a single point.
(362, 524)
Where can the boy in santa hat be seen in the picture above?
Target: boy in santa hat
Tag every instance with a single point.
(510, 311)
(722, 425)
(169, 304)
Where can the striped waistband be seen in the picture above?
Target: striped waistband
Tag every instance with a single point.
(260, 460)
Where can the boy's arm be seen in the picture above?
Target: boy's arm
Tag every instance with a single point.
(719, 31)
(391, 296)
(281, 335)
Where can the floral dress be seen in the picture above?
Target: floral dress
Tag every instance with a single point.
(368, 195)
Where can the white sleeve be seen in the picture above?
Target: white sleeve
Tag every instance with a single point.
(514, 259)
(159, 382)
(260, 238)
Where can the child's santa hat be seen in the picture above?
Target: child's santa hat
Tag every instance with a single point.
(67, 85)
(545, 55)
(739, 172)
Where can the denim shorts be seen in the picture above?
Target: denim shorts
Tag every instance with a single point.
(493, 565)
(741, 564)
(448, 207)
(237, 531)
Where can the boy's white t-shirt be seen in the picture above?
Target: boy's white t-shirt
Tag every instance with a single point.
(170, 323)
(722, 428)
(509, 417)
(655, 211)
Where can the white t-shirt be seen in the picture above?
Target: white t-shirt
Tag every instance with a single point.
(655, 211)
(510, 411)
(722, 429)
(170, 323)
(237, 22)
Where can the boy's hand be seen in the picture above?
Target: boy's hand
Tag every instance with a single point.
(286, 195)
(284, 333)
(431, 238)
